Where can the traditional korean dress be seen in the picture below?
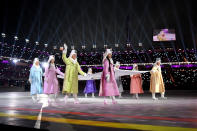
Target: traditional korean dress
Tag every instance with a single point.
(71, 77)
(108, 88)
(36, 80)
(136, 84)
(51, 85)
(90, 87)
(156, 80)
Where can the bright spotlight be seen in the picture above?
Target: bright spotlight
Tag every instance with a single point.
(83, 46)
(3, 35)
(140, 44)
(37, 43)
(72, 47)
(15, 37)
(44, 64)
(116, 45)
(105, 45)
(54, 47)
(27, 40)
(94, 46)
(15, 60)
(46, 45)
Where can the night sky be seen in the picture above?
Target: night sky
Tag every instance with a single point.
(88, 22)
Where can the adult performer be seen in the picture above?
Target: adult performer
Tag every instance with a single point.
(70, 85)
(51, 85)
(35, 79)
(156, 80)
(108, 85)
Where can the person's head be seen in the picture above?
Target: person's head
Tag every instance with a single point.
(51, 59)
(117, 65)
(73, 54)
(135, 67)
(109, 55)
(36, 62)
(158, 61)
(89, 70)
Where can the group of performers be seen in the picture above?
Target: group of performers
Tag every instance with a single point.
(110, 83)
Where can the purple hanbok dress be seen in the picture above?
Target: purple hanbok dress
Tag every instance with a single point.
(90, 87)
(51, 85)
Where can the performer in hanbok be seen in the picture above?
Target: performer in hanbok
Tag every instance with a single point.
(35, 79)
(51, 85)
(90, 85)
(156, 80)
(118, 80)
(70, 85)
(136, 83)
(108, 85)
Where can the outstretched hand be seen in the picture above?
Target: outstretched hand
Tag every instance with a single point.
(65, 47)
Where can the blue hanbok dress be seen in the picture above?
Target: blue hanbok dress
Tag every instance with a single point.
(36, 80)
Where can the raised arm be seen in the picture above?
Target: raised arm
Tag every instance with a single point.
(64, 58)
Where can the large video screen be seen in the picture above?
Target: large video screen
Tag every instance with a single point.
(164, 35)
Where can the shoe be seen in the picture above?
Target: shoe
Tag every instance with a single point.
(76, 102)
(65, 99)
(114, 102)
(105, 102)
(163, 98)
(154, 98)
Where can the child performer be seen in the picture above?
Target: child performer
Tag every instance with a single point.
(108, 85)
(71, 78)
(90, 85)
(51, 85)
(136, 83)
(118, 80)
(35, 79)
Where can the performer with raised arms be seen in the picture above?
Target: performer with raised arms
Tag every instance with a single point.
(70, 85)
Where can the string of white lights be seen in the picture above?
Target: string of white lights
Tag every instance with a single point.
(97, 65)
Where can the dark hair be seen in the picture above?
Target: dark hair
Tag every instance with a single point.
(109, 64)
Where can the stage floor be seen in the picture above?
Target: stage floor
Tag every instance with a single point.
(178, 112)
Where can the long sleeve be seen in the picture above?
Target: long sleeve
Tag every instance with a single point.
(59, 72)
(154, 69)
(64, 58)
(79, 70)
(106, 67)
(30, 74)
(46, 73)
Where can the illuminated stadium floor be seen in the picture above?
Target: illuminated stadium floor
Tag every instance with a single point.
(178, 112)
